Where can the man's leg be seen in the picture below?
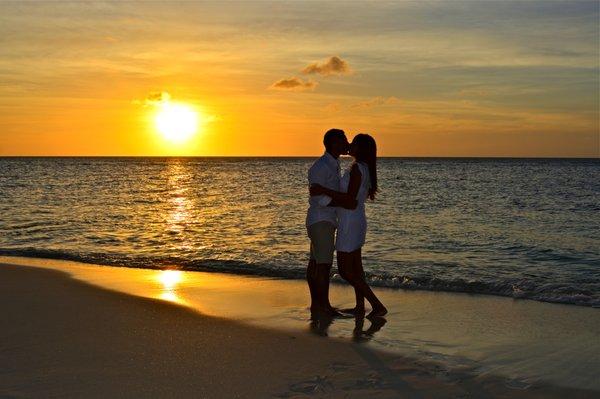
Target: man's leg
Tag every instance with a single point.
(322, 236)
(311, 278)
(323, 271)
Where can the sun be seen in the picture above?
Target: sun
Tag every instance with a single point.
(176, 122)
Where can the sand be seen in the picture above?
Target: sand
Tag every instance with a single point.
(63, 337)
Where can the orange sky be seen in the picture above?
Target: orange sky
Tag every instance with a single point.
(435, 79)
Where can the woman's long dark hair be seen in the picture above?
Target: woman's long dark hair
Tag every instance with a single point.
(367, 152)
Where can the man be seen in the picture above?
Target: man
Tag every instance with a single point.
(321, 220)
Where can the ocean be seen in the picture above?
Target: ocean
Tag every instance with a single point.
(522, 228)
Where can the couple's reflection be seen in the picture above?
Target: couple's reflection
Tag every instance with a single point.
(360, 334)
(319, 324)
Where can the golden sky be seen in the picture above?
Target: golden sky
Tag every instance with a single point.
(447, 78)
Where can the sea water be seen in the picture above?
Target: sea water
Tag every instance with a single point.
(523, 228)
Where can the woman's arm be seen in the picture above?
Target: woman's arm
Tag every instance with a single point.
(345, 200)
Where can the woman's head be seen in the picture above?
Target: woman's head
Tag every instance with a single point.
(364, 149)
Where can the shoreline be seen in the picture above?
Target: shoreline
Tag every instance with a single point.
(253, 270)
(339, 362)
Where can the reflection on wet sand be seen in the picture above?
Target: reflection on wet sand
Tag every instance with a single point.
(319, 325)
(169, 279)
(360, 335)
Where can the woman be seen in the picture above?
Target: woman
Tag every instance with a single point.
(358, 183)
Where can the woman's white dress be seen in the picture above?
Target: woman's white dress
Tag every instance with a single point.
(352, 223)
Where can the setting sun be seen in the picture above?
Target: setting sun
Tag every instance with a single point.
(176, 122)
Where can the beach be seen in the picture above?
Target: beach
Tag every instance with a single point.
(300, 199)
(76, 330)
(62, 338)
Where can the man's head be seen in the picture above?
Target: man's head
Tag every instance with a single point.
(335, 142)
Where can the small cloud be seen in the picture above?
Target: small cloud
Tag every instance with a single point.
(332, 66)
(158, 97)
(154, 98)
(294, 83)
(377, 101)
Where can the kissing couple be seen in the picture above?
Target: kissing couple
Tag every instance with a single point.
(337, 202)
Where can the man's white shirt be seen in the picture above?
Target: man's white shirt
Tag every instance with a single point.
(326, 172)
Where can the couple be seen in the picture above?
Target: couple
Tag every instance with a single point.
(339, 202)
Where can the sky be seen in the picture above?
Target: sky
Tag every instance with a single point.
(428, 78)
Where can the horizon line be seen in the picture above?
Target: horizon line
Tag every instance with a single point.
(301, 156)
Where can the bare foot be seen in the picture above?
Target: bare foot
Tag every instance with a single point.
(379, 311)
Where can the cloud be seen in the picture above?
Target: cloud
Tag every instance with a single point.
(376, 102)
(158, 97)
(294, 83)
(332, 66)
(154, 98)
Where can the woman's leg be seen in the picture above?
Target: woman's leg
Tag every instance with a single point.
(362, 288)
(346, 269)
(357, 270)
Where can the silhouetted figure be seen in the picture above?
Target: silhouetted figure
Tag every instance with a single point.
(321, 220)
(357, 184)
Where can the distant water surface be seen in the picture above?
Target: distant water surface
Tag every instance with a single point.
(525, 228)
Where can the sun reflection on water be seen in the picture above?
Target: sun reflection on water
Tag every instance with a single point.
(178, 184)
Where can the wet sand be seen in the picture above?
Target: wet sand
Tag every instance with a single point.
(62, 337)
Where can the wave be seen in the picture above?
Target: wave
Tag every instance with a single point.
(514, 288)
